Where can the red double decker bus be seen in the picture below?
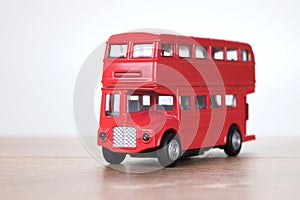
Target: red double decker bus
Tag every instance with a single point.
(169, 96)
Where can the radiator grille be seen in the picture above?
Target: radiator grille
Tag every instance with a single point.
(124, 136)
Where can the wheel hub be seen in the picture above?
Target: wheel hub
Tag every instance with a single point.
(236, 140)
(174, 150)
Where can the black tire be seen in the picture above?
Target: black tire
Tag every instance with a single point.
(112, 157)
(170, 151)
(234, 141)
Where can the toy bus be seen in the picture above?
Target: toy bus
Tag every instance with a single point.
(169, 96)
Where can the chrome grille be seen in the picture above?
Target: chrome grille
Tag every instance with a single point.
(124, 136)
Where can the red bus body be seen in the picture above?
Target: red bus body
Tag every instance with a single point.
(137, 78)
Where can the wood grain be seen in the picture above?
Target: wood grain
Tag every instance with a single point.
(59, 168)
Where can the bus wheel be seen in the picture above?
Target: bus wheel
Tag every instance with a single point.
(234, 142)
(112, 157)
(170, 151)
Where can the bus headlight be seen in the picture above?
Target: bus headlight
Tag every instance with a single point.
(146, 137)
(102, 136)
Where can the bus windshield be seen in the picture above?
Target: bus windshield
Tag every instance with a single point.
(142, 102)
(138, 102)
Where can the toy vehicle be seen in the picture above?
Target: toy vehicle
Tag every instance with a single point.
(169, 96)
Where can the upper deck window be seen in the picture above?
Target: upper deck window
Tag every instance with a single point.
(167, 50)
(201, 52)
(217, 53)
(184, 51)
(232, 54)
(117, 50)
(142, 50)
(246, 56)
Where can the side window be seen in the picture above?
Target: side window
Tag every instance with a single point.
(201, 52)
(217, 53)
(167, 50)
(232, 54)
(117, 51)
(216, 101)
(246, 56)
(230, 100)
(165, 103)
(146, 100)
(112, 104)
(184, 51)
(200, 102)
(185, 102)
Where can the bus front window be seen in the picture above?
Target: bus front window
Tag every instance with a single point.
(117, 50)
(137, 103)
(112, 104)
(142, 50)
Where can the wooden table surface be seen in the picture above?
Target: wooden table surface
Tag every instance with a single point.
(60, 168)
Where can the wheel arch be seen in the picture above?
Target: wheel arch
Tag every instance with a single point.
(167, 132)
(232, 126)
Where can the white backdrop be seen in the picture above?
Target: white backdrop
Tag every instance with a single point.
(44, 43)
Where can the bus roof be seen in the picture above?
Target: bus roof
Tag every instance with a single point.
(145, 36)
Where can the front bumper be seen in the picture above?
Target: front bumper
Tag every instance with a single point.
(127, 139)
